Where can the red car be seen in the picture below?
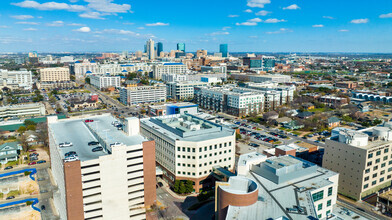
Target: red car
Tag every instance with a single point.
(88, 120)
(32, 163)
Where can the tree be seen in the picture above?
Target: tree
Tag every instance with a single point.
(29, 122)
(21, 129)
(42, 135)
(182, 189)
(87, 80)
(176, 186)
(238, 136)
(31, 127)
(188, 186)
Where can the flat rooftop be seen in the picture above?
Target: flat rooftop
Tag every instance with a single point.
(187, 127)
(274, 199)
(79, 133)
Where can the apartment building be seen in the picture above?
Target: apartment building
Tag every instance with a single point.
(277, 188)
(188, 147)
(182, 90)
(363, 158)
(142, 94)
(270, 78)
(22, 110)
(171, 68)
(19, 79)
(112, 179)
(105, 81)
(56, 74)
(81, 68)
(239, 101)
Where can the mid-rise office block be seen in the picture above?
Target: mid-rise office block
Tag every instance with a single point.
(22, 110)
(103, 81)
(270, 78)
(188, 147)
(363, 158)
(168, 68)
(182, 90)
(20, 79)
(114, 178)
(57, 74)
(142, 94)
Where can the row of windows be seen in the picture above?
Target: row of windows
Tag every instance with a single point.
(206, 148)
(200, 165)
(320, 206)
(201, 156)
(374, 182)
(320, 195)
(193, 174)
(378, 161)
(378, 153)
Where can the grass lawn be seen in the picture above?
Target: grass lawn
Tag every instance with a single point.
(296, 132)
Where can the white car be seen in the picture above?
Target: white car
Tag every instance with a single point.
(66, 144)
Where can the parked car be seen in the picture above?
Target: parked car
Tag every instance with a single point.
(41, 161)
(10, 197)
(66, 144)
(71, 153)
(32, 163)
(93, 143)
(8, 168)
(97, 149)
(88, 120)
(42, 207)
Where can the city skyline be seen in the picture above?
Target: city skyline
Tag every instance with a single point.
(252, 25)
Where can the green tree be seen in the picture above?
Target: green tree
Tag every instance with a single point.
(29, 122)
(238, 136)
(182, 189)
(176, 186)
(189, 186)
(31, 127)
(21, 129)
(87, 80)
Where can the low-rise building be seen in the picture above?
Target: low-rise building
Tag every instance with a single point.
(266, 190)
(22, 110)
(142, 94)
(102, 166)
(162, 68)
(188, 147)
(20, 79)
(183, 90)
(9, 152)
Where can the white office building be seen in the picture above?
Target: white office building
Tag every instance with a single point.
(168, 68)
(188, 147)
(22, 110)
(182, 90)
(270, 78)
(104, 81)
(85, 67)
(19, 79)
(142, 94)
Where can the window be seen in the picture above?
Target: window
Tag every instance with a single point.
(189, 149)
(366, 186)
(382, 179)
(366, 178)
(374, 182)
(370, 155)
(390, 169)
(330, 191)
(369, 163)
(382, 172)
(374, 175)
(205, 148)
(215, 146)
(386, 150)
(229, 143)
(178, 156)
(375, 167)
(200, 149)
(179, 148)
(318, 196)
(319, 216)
(183, 149)
(210, 147)
(378, 153)
(378, 160)
(320, 206)
(193, 150)
(382, 165)
(385, 158)
(329, 203)
(179, 164)
(367, 171)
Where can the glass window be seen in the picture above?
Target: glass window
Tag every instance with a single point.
(386, 150)
(329, 191)
(378, 153)
(374, 182)
(320, 206)
(378, 160)
(366, 186)
(318, 196)
(329, 202)
(382, 179)
(367, 171)
(370, 155)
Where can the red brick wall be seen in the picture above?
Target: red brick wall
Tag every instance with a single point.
(150, 195)
(73, 190)
(225, 199)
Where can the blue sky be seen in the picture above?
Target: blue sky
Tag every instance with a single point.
(246, 25)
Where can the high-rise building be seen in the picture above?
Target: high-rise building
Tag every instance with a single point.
(159, 48)
(181, 46)
(55, 74)
(150, 49)
(224, 50)
(103, 167)
(188, 147)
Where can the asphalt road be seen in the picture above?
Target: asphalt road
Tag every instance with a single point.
(367, 213)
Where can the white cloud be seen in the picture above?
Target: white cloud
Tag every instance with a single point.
(141, 28)
(248, 11)
(263, 13)
(157, 24)
(258, 3)
(360, 21)
(108, 6)
(318, 25)
(83, 30)
(75, 24)
(122, 32)
(274, 20)
(128, 23)
(247, 23)
(92, 15)
(233, 16)
(328, 17)
(343, 30)
(219, 33)
(49, 6)
(255, 20)
(280, 31)
(292, 7)
(55, 24)
(22, 17)
(30, 29)
(389, 15)
(253, 36)
(27, 22)
(4, 26)
(225, 28)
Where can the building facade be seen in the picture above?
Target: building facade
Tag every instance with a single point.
(102, 81)
(22, 110)
(188, 147)
(168, 68)
(142, 94)
(182, 90)
(57, 74)
(20, 79)
(117, 182)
